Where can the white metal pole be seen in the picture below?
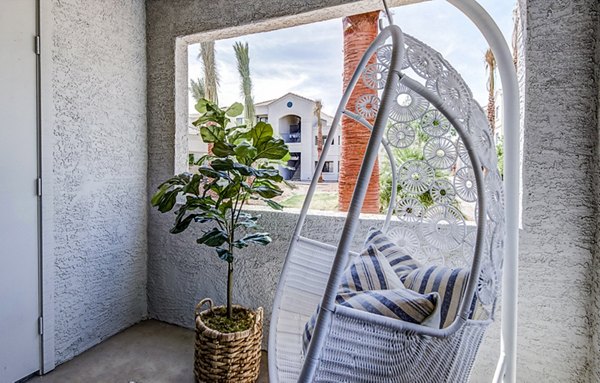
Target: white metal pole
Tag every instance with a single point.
(510, 88)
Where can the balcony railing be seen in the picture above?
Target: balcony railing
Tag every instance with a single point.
(291, 137)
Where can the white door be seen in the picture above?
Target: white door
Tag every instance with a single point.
(19, 270)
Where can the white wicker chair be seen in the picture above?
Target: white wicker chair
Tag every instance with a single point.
(349, 345)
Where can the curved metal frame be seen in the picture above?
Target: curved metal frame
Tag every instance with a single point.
(506, 366)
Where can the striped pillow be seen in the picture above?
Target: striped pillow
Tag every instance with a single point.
(403, 304)
(401, 262)
(450, 284)
(370, 271)
(370, 284)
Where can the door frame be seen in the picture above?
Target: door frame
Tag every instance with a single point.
(46, 167)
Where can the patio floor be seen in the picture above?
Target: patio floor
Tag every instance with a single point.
(148, 352)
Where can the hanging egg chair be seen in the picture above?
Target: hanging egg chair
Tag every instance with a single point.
(422, 98)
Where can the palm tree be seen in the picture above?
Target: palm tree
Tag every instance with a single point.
(318, 107)
(359, 31)
(243, 63)
(490, 66)
(197, 89)
(211, 76)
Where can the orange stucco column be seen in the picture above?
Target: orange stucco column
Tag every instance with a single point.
(359, 32)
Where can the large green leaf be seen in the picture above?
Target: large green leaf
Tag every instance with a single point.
(181, 225)
(267, 191)
(234, 110)
(240, 244)
(258, 238)
(211, 215)
(231, 190)
(156, 198)
(270, 174)
(193, 186)
(261, 133)
(274, 149)
(223, 149)
(273, 205)
(244, 170)
(245, 152)
(225, 206)
(213, 238)
(212, 133)
(224, 254)
(168, 200)
(222, 164)
(201, 105)
(212, 173)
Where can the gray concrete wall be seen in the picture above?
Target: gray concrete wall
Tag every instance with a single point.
(559, 199)
(97, 186)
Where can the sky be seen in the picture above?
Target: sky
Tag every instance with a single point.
(308, 59)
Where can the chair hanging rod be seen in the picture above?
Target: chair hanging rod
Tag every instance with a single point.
(387, 12)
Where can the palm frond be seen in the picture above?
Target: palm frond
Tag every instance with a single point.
(211, 75)
(243, 64)
(197, 89)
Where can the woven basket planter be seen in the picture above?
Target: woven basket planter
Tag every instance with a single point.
(227, 357)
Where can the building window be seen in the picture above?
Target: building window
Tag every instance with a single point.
(290, 104)
(262, 118)
(327, 167)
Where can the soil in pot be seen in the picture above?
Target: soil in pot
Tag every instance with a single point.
(240, 320)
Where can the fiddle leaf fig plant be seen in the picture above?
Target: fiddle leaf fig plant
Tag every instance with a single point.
(242, 165)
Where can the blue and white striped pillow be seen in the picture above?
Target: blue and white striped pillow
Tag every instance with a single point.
(370, 284)
(450, 284)
(401, 262)
(370, 271)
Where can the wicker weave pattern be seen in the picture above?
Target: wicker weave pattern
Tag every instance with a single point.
(357, 351)
(349, 345)
(230, 358)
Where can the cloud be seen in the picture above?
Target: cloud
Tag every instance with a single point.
(308, 59)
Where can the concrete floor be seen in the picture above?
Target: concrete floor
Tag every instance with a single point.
(148, 352)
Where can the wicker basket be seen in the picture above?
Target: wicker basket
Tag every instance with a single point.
(222, 357)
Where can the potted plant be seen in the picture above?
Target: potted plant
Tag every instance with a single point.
(241, 166)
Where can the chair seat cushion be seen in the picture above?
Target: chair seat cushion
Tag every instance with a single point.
(450, 284)
(370, 284)
(401, 262)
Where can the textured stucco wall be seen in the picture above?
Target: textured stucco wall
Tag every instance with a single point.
(166, 21)
(595, 280)
(558, 305)
(190, 272)
(559, 200)
(99, 161)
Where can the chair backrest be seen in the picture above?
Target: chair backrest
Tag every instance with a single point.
(432, 174)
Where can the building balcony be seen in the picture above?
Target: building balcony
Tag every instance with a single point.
(291, 138)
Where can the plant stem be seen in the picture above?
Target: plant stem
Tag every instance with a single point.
(229, 288)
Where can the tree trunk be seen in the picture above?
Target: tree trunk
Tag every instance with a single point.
(490, 63)
(211, 76)
(359, 33)
(318, 107)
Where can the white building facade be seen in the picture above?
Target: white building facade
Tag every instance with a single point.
(293, 119)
